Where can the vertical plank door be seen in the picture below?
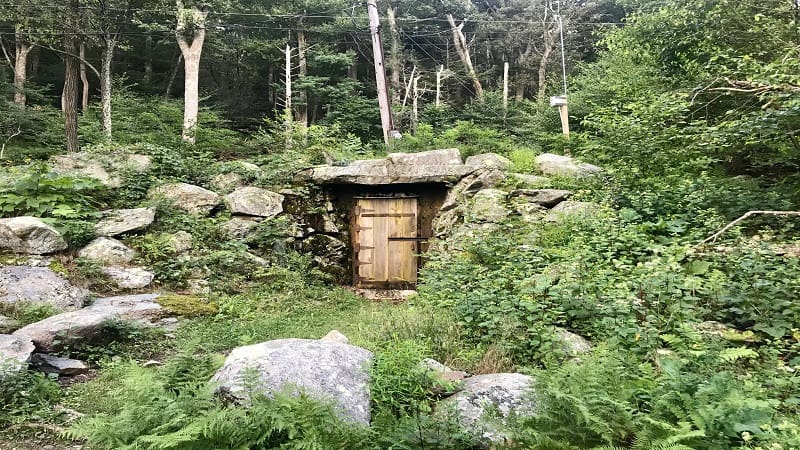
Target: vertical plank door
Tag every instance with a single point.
(386, 242)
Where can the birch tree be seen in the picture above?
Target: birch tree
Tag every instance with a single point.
(191, 34)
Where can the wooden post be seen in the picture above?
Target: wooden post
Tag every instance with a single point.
(439, 85)
(563, 111)
(505, 87)
(380, 71)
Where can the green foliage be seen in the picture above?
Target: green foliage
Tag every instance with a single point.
(25, 396)
(25, 313)
(46, 194)
(399, 384)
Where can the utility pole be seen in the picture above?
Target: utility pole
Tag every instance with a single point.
(561, 100)
(380, 72)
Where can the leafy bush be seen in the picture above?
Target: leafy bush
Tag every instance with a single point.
(43, 193)
(25, 396)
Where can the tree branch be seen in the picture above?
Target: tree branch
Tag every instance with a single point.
(5, 53)
(88, 64)
(748, 214)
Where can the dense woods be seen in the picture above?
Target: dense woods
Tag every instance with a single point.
(690, 110)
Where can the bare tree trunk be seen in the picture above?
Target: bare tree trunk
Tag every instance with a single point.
(191, 46)
(69, 96)
(395, 55)
(352, 71)
(84, 79)
(462, 48)
(302, 71)
(148, 59)
(33, 63)
(105, 84)
(173, 75)
(522, 77)
(549, 42)
(21, 67)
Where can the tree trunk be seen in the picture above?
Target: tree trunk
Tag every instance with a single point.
(105, 84)
(549, 42)
(462, 49)
(84, 79)
(302, 72)
(173, 75)
(33, 63)
(148, 59)
(352, 71)
(191, 45)
(21, 68)
(69, 96)
(395, 55)
(522, 78)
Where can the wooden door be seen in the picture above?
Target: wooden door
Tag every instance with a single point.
(386, 242)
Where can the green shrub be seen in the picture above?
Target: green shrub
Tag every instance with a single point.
(26, 396)
(43, 193)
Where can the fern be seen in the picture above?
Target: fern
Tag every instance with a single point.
(731, 355)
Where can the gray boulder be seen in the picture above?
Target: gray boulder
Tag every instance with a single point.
(430, 158)
(569, 210)
(226, 182)
(21, 285)
(544, 197)
(124, 220)
(530, 181)
(107, 251)
(58, 365)
(254, 201)
(500, 392)
(88, 325)
(241, 228)
(88, 164)
(335, 337)
(481, 178)
(550, 164)
(129, 277)
(181, 241)
(325, 370)
(30, 235)
(488, 205)
(188, 197)
(571, 344)
(491, 160)
(437, 166)
(15, 353)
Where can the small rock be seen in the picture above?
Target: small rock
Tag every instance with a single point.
(107, 251)
(129, 277)
(15, 353)
(545, 197)
(444, 157)
(503, 392)
(550, 164)
(151, 363)
(123, 220)
(198, 286)
(254, 201)
(30, 235)
(181, 241)
(492, 160)
(336, 337)
(55, 364)
(169, 320)
(188, 197)
(21, 285)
